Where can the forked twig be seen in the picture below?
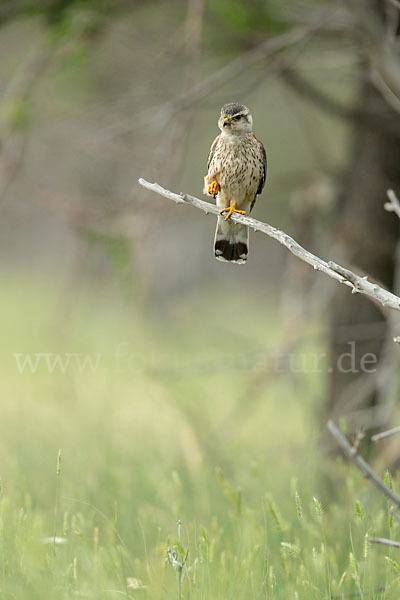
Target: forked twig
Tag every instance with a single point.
(394, 204)
(364, 467)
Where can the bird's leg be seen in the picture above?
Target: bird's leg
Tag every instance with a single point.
(231, 209)
(213, 189)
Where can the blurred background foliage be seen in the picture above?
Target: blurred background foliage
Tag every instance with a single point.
(204, 405)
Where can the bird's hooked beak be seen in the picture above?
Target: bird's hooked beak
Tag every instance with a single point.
(227, 122)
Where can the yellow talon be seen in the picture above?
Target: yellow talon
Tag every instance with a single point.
(231, 209)
(213, 189)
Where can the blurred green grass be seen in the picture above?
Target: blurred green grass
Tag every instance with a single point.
(184, 433)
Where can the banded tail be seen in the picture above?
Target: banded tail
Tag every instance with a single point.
(231, 242)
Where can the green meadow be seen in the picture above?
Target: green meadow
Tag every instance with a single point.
(178, 461)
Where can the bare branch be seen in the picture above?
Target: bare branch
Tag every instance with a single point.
(266, 51)
(307, 90)
(357, 284)
(384, 434)
(302, 86)
(364, 467)
(384, 541)
(394, 204)
(380, 48)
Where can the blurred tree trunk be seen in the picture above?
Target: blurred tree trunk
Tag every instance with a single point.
(368, 235)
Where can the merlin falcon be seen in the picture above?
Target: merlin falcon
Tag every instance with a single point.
(237, 169)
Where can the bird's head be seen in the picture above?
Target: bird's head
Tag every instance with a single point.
(235, 119)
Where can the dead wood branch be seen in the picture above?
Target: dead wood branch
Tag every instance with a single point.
(364, 467)
(394, 204)
(384, 541)
(357, 284)
(385, 434)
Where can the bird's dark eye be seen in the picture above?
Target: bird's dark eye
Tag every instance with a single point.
(237, 118)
